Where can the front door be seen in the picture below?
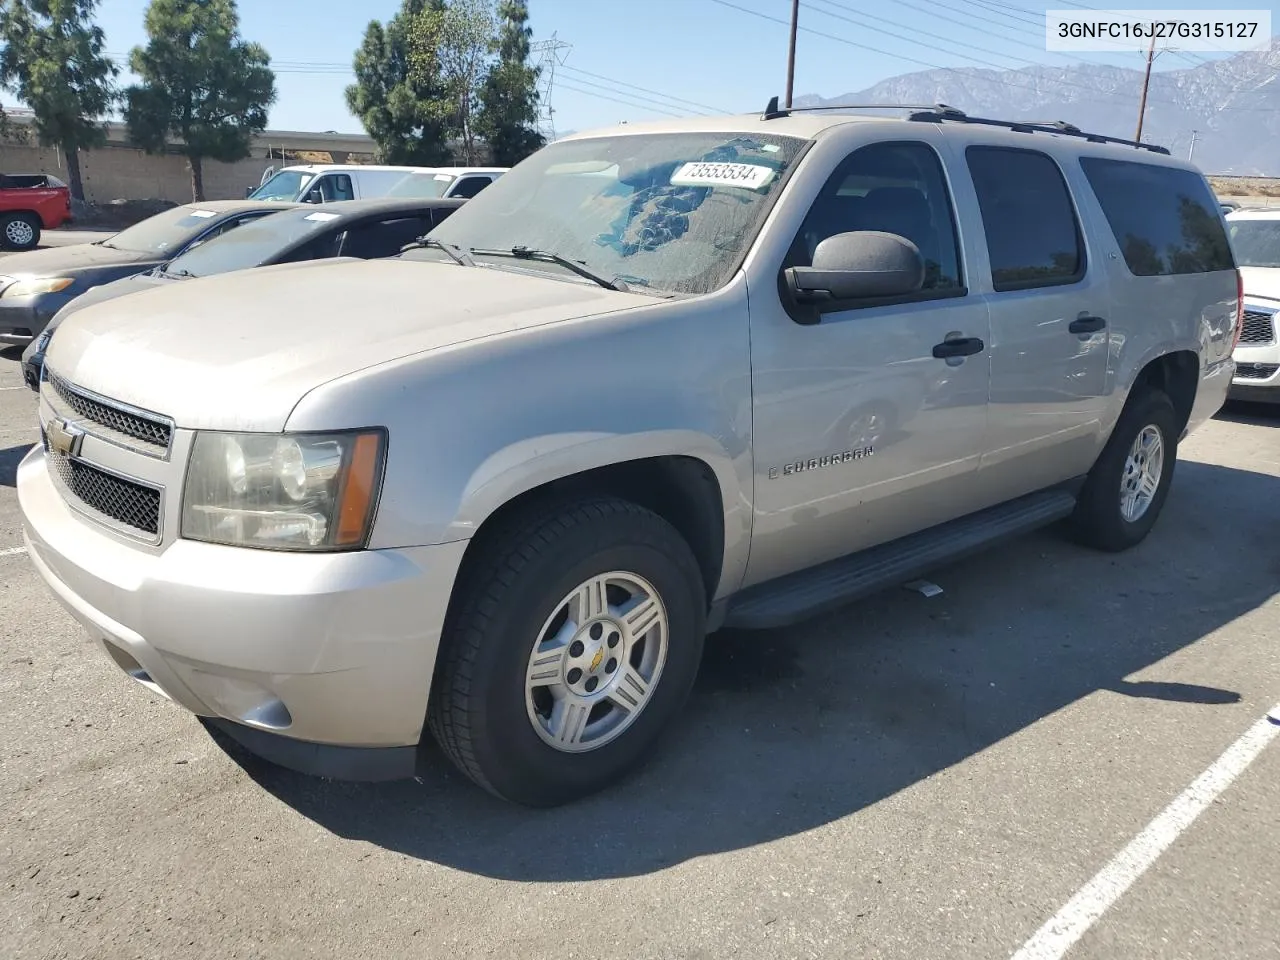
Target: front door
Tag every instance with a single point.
(861, 433)
(1050, 303)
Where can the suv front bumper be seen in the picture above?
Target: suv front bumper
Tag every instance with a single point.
(320, 662)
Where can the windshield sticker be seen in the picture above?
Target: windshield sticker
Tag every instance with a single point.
(203, 214)
(749, 176)
(321, 216)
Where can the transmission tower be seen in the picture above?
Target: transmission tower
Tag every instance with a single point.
(551, 54)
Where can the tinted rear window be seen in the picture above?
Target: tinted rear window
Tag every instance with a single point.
(1165, 220)
(1033, 239)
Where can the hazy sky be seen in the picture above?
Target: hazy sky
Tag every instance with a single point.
(634, 60)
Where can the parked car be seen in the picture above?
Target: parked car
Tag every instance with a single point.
(29, 204)
(501, 487)
(1255, 239)
(1228, 206)
(36, 285)
(364, 229)
(446, 182)
(330, 182)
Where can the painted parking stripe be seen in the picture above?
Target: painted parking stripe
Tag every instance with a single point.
(1069, 924)
(12, 551)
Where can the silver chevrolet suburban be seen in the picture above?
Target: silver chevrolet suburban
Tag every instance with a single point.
(655, 381)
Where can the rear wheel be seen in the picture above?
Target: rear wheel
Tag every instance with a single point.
(574, 641)
(20, 231)
(1127, 487)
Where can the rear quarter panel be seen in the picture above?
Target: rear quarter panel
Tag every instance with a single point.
(1154, 315)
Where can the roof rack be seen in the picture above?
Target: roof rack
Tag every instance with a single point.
(938, 112)
(1034, 126)
(773, 111)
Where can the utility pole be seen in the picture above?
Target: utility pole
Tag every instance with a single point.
(1146, 82)
(1192, 149)
(791, 51)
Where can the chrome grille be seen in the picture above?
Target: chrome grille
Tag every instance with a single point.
(1257, 327)
(124, 501)
(150, 430)
(1255, 371)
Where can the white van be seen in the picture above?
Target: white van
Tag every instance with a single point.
(446, 182)
(329, 182)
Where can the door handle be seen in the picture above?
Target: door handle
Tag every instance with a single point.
(958, 347)
(1087, 324)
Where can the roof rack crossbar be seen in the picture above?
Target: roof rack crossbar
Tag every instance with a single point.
(773, 111)
(1041, 126)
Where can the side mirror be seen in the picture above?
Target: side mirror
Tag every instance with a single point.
(860, 265)
(313, 196)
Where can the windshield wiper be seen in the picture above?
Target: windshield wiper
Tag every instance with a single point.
(546, 256)
(459, 255)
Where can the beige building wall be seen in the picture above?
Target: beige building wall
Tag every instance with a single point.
(116, 172)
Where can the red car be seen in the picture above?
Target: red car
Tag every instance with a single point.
(30, 203)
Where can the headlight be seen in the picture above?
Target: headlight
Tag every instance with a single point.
(314, 491)
(29, 288)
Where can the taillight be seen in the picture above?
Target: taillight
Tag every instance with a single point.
(1239, 308)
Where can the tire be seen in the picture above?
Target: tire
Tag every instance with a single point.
(19, 231)
(493, 709)
(1100, 519)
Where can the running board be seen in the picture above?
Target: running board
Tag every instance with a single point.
(798, 596)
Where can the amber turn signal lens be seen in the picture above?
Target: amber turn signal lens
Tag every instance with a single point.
(356, 507)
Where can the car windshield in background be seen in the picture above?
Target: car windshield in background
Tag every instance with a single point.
(285, 185)
(672, 212)
(422, 185)
(1256, 243)
(252, 244)
(165, 231)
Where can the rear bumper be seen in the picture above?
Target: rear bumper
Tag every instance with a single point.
(295, 654)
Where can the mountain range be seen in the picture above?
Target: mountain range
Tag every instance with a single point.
(1233, 104)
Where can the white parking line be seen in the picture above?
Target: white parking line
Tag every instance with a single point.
(1069, 924)
(12, 551)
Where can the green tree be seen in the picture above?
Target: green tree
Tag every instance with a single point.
(201, 83)
(452, 45)
(53, 60)
(509, 98)
(405, 111)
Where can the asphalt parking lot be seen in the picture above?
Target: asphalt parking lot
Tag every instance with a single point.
(907, 778)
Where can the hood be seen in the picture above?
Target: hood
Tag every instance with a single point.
(239, 350)
(45, 263)
(1261, 282)
(107, 291)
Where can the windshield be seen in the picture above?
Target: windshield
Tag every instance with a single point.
(166, 231)
(252, 244)
(669, 212)
(285, 185)
(1256, 243)
(422, 185)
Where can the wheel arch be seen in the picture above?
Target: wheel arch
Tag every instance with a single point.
(1176, 373)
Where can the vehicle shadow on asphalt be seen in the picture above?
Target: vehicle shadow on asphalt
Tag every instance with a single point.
(10, 457)
(792, 729)
(1250, 414)
(11, 352)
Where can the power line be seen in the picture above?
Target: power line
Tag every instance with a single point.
(664, 96)
(636, 96)
(601, 96)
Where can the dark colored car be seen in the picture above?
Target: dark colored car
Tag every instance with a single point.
(365, 229)
(36, 285)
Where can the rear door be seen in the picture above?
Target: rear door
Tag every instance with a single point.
(1050, 305)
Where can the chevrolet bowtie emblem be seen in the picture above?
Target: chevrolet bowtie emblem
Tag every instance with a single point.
(63, 438)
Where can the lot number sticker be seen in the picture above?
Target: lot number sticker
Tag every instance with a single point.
(749, 176)
(203, 214)
(321, 216)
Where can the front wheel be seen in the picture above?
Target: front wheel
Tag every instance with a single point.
(1127, 487)
(575, 640)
